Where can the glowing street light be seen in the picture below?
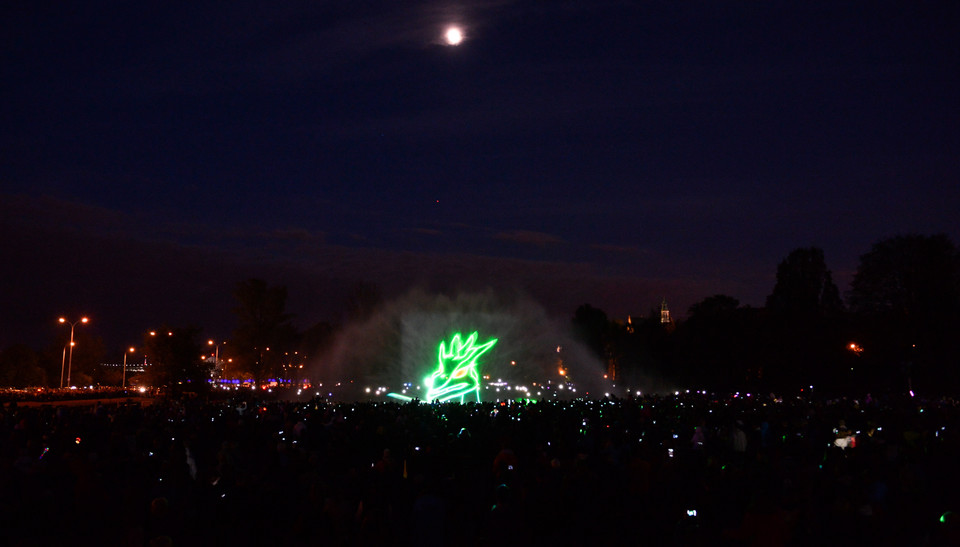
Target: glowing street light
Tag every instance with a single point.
(64, 321)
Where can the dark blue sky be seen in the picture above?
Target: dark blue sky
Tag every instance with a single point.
(604, 152)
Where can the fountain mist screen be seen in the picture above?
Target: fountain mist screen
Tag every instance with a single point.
(467, 339)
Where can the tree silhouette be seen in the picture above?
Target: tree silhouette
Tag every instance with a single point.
(718, 306)
(88, 353)
(263, 331)
(910, 276)
(175, 358)
(906, 297)
(803, 330)
(20, 366)
(719, 345)
(804, 285)
(592, 327)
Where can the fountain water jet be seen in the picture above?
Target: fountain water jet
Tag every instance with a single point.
(396, 348)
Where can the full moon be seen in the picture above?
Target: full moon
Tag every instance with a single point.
(454, 36)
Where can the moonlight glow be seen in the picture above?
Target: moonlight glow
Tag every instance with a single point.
(453, 36)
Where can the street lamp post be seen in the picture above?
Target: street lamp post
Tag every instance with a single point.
(70, 361)
(216, 352)
(123, 377)
(63, 365)
(216, 355)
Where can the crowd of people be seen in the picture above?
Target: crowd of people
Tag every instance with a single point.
(687, 469)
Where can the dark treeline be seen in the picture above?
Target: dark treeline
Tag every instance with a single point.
(896, 329)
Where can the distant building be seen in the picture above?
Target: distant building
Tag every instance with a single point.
(664, 313)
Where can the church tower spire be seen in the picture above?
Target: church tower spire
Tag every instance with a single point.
(664, 312)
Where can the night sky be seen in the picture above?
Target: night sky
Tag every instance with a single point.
(153, 154)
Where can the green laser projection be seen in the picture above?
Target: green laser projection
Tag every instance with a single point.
(457, 376)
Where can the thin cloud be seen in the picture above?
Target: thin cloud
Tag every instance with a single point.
(619, 249)
(529, 237)
(392, 25)
(299, 234)
(425, 231)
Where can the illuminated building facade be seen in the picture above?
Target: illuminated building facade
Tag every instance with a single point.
(664, 313)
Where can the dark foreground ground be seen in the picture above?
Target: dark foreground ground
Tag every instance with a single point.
(685, 470)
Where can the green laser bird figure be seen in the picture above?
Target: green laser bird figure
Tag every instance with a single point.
(460, 358)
